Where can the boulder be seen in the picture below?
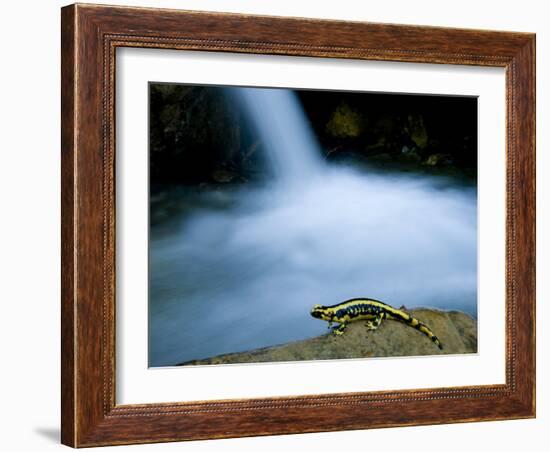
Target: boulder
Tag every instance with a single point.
(456, 330)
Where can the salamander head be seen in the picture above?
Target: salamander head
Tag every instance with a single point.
(322, 312)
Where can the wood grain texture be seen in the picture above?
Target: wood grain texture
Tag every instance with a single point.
(67, 224)
(90, 36)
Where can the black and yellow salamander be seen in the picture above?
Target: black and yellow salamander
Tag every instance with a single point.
(373, 311)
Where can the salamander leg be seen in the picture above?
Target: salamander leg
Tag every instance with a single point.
(339, 330)
(375, 323)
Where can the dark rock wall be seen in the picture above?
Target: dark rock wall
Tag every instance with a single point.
(403, 128)
(196, 134)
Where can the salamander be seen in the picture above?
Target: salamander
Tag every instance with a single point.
(373, 311)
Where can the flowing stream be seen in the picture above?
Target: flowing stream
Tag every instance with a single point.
(241, 268)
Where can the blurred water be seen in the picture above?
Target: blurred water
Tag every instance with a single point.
(240, 268)
(287, 137)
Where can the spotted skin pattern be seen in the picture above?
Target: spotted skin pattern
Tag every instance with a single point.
(369, 310)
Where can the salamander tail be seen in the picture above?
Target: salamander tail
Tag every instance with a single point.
(417, 324)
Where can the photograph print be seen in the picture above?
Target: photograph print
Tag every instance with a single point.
(296, 225)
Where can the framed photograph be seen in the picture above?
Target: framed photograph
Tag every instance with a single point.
(282, 225)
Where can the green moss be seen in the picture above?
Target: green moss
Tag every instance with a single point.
(437, 160)
(417, 130)
(345, 122)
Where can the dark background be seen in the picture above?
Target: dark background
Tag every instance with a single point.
(198, 135)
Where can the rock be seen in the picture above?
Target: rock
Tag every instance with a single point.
(224, 176)
(438, 160)
(417, 130)
(410, 154)
(345, 122)
(457, 332)
(193, 130)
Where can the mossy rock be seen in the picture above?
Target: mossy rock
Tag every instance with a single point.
(416, 129)
(345, 122)
(438, 160)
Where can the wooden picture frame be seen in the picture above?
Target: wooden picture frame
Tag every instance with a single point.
(90, 36)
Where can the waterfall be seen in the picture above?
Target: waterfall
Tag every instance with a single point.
(286, 135)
